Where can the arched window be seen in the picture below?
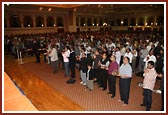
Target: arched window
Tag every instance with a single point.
(60, 21)
(89, 22)
(132, 21)
(118, 22)
(15, 21)
(50, 21)
(160, 21)
(150, 21)
(141, 21)
(82, 22)
(77, 21)
(28, 21)
(39, 21)
(125, 22)
(95, 22)
(112, 22)
(100, 22)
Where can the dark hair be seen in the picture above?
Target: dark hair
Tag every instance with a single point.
(127, 58)
(151, 63)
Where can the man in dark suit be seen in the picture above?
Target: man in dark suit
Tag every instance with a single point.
(36, 46)
(72, 63)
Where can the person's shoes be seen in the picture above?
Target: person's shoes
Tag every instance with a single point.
(84, 83)
(147, 109)
(108, 92)
(81, 82)
(119, 100)
(112, 96)
(143, 104)
(125, 104)
(104, 89)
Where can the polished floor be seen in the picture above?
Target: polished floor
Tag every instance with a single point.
(50, 92)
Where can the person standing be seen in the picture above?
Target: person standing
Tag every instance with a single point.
(36, 46)
(89, 78)
(72, 62)
(125, 73)
(143, 53)
(112, 72)
(161, 75)
(83, 68)
(148, 84)
(54, 58)
(104, 63)
(149, 57)
(95, 66)
(65, 55)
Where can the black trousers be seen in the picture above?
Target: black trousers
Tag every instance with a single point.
(124, 87)
(72, 68)
(147, 99)
(162, 109)
(96, 75)
(112, 84)
(37, 54)
(103, 78)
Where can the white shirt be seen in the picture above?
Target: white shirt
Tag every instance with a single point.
(118, 56)
(53, 55)
(123, 50)
(151, 58)
(66, 55)
(129, 55)
(149, 79)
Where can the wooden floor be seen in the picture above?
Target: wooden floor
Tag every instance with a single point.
(50, 92)
(14, 99)
(41, 95)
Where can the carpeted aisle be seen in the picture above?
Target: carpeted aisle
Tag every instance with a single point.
(96, 100)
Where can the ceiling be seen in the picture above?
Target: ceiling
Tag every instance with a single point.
(109, 8)
(105, 9)
(60, 5)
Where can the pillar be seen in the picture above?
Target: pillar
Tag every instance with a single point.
(8, 21)
(21, 21)
(34, 20)
(72, 21)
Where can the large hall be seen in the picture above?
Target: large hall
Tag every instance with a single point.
(83, 57)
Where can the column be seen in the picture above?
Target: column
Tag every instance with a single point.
(79, 19)
(8, 21)
(85, 21)
(34, 20)
(136, 22)
(72, 21)
(21, 21)
(55, 21)
(92, 21)
(145, 20)
(45, 21)
(155, 19)
(97, 22)
(128, 21)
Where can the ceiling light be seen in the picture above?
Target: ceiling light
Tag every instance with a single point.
(49, 9)
(74, 9)
(41, 8)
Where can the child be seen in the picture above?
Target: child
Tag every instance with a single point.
(83, 68)
(89, 82)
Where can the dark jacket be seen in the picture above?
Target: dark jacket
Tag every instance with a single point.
(72, 59)
(91, 74)
(83, 65)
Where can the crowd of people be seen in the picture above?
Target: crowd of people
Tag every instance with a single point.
(101, 57)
